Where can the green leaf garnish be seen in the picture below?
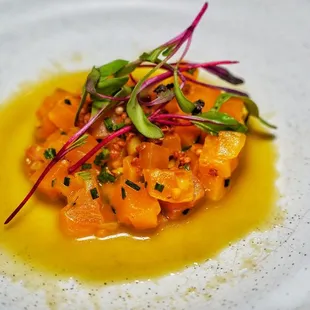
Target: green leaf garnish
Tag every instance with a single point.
(97, 105)
(219, 122)
(109, 86)
(112, 67)
(167, 51)
(131, 66)
(153, 55)
(186, 105)
(136, 114)
(141, 122)
(220, 100)
(250, 105)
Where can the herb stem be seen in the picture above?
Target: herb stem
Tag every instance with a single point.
(226, 89)
(173, 123)
(101, 144)
(33, 189)
(165, 75)
(161, 117)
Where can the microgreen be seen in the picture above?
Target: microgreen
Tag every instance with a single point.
(250, 105)
(186, 105)
(112, 67)
(106, 86)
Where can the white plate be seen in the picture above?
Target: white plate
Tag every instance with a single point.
(271, 39)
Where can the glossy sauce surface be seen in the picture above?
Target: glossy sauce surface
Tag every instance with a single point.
(35, 238)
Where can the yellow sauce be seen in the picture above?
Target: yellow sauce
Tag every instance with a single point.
(34, 236)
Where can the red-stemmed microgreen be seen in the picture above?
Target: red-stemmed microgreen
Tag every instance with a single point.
(222, 88)
(99, 146)
(106, 87)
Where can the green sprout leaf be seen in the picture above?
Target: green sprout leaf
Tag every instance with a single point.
(152, 56)
(109, 86)
(168, 50)
(112, 67)
(136, 114)
(250, 105)
(131, 66)
(141, 122)
(220, 100)
(219, 122)
(186, 105)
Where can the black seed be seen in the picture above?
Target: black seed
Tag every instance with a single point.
(170, 86)
(113, 210)
(184, 212)
(67, 101)
(160, 88)
(199, 104)
(226, 182)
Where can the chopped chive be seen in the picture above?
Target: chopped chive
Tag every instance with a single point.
(187, 167)
(53, 182)
(123, 193)
(101, 157)
(66, 181)
(85, 175)
(50, 153)
(86, 166)
(108, 124)
(226, 182)
(67, 101)
(159, 187)
(105, 177)
(186, 148)
(118, 126)
(113, 210)
(63, 133)
(94, 193)
(133, 185)
(184, 212)
(145, 184)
